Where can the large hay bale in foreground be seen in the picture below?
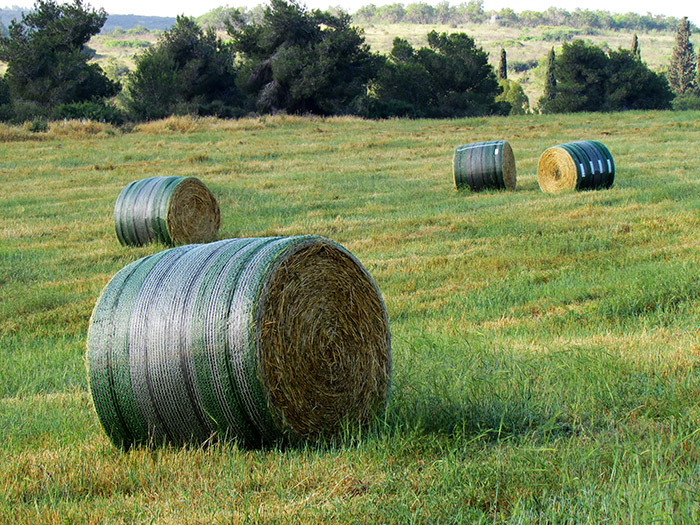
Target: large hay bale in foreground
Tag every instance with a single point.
(581, 165)
(484, 165)
(258, 340)
(171, 210)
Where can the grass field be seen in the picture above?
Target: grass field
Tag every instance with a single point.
(546, 347)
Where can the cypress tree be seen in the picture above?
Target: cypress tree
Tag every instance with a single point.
(503, 66)
(681, 73)
(550, 85)
(636, 53)
(550, 82)
(48, 63)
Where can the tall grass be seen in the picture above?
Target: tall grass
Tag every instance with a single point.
(546, 349)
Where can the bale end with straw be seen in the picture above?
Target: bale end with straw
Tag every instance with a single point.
(325, 343)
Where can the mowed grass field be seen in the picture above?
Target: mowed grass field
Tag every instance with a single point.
(546, 348)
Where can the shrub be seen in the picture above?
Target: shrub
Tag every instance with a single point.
(97, 111)
(127, 43)
(517, 66)
(26, 111)
(37, 125)
(689, 101)
(515, 96)
(189, 71)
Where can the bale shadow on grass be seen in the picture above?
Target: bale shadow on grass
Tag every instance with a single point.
(492, 417)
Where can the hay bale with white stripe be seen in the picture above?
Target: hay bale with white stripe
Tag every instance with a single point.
(170, 210)
(257, 340)
(484, 165)
(580, 165)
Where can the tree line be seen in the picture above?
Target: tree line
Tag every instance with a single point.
(474, 12)
(301, 61)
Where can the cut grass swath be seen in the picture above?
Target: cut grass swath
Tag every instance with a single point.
(171, 210)
(258, 340)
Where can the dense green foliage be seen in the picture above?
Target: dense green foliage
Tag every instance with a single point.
(286, 58)
(682, 70)
(47, 61)
(451, 77)
(189, 71)
(97, 111)
(302, 61)
(513, 94)
(588, 79)
(632, 85)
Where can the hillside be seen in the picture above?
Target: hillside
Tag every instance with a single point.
(160, 23)
(525, 47)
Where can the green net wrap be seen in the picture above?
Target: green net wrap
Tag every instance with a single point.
(258, 340)
(484, 165)
(579, 165)
(169, 210)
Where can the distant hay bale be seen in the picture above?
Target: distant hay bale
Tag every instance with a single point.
(170, 210)
(258, 340)
(484, 165)
(581, 165)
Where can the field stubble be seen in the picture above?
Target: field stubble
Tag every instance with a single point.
(546, 349)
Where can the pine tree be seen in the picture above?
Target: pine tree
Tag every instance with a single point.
(503, 66)
(48, 63)
(681, 73)
(636, 53)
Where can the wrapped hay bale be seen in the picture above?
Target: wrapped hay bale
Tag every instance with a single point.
(484, 165)
(581, 165)
(170, 210)
(259, 340)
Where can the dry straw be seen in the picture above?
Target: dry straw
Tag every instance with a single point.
(258, 340)
(581, 165)
(170, 210)
(484, 165)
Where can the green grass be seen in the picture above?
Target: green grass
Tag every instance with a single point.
(546, 347)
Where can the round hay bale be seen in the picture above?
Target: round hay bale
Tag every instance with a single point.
(170, 210)
(258, 340)
(580, 165)
(484, 165)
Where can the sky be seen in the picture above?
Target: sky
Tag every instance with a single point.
(677, 8)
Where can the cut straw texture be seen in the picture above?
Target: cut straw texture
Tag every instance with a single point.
(259, 340)
(484, 165)
(581, 165)
(169, 210)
